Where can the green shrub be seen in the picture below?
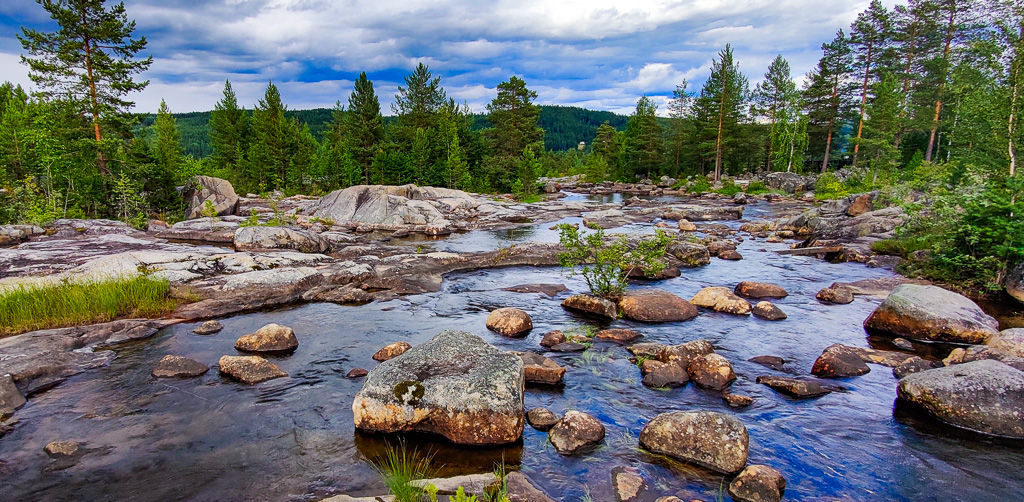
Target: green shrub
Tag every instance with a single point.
(829, 187)
(606, 263)
(729, 188)
(701, 185)
(756, 187)
(72, 303)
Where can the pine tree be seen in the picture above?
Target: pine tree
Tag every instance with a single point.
(882, 124)
(513, 119)
(680, 111)
(89, 60)
(417, 105)
(302, 150)
(364, 126)
(870, 36)
(227, 124)
(829, 90)
(911, 40)
(268, 158)
(721, 107)
(1010, 27)
(642, 143)
(775, 99)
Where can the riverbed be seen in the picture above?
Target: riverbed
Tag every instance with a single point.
(211, 438)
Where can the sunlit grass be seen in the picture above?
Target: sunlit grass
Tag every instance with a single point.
(28, 308)
(398, 467)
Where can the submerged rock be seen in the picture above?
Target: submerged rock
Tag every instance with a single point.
(985, 396)
(663, 375)
(509, 322)
(773, 362)
(711, 371)
(356, 373)
(758, 290)
(208, 328)
(62, 448)
(568, 347)
(628, 485)
(655, 305)
(551, 290)
(171, 366)
(933, 314)
(519, 488)
(575, 432)
(541, 419)
(391, 351)
(839, 361)
(269, 338)
(455, 385)
(737, 400)
(590, 304)
(720, 299)
(709, 439)
(618, 335)
(249, 369)
(794, 387)
(768, 311)
(758, 483)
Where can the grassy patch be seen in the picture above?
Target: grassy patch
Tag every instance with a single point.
(68, 304)
(756, 187)
(902, 246)
(399, 466)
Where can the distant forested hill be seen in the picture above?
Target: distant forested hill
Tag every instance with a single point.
(564, 126)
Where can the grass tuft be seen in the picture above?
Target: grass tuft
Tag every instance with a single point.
(399, 466)
(72, 303)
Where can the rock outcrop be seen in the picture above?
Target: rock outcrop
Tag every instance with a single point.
(712, 440)
(263, 238)
(455, 385)
(985, 396)
(396, 207)
(931, 313)
(200, 189)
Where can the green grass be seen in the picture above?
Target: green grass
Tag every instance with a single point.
(398, 466)
(70, 304)
(902, 246)
(756, 187)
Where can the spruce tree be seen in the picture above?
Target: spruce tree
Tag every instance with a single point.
(680, 111)
(721, 107)
(775, 99)
(642, 140)
(227, 124)
(268, 159)
(166, 144)
(513, 119)
(417, 105)
(829, 91)
(364, 126)
(90, 60)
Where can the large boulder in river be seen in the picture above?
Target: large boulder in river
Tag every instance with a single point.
(720, 299)
(655, 305)
(1015, 282)
(709, 439)
(985, 396)
(933, 314)
(262, 238)
(200, 189)
(455, 385)
(394, 207)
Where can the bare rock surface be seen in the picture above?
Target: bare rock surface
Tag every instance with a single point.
(519, 488)
(931, 313)
(249, 369)
(10, 397)
(794, 387)
(838, 295)
(208, 328)
(618, 335)
(712, 440)
(711, 371)
(839, 361)
(552, 338)
(62, 448)
(455, 385)
(391, 351)
(985, 396)
(260, 238)
(541, 370)
(662, 375)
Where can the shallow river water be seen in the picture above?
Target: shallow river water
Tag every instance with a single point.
(211, 438)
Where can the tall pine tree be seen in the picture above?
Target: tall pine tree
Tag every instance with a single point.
(227, 126)
(721, 107)
(829, 91)
(870, 39)
(364, 126)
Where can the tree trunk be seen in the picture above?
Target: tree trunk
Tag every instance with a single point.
(905, 88)
(828, 147)
(942, 83)
(94, 101)
(1011, 125)
(721, 122)
(863, 103)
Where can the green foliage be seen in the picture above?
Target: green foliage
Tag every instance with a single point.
(252, 221)
(27, 308)
(399, 466)
(130, 202)
(756, 187)
(829, 187)
(700, 185)
(642, 141)
(719, 110)
(729, 188)
(606, 263)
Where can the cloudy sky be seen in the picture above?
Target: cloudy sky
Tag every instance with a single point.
(598, 54)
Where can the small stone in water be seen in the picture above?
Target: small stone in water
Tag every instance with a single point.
(357, 373)
(61, 448)
(208, 328)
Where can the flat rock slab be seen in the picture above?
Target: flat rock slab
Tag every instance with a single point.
(171, 366)
(541, 370)
(986, 396)
(709, 439)
(551, 290)
(592, 305)
(249, 369)
(931, 313)
(794, 387)
(618, 335)
(655, 305)
(455, 385)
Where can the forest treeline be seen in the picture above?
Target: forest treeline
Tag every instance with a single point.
(926, 83)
